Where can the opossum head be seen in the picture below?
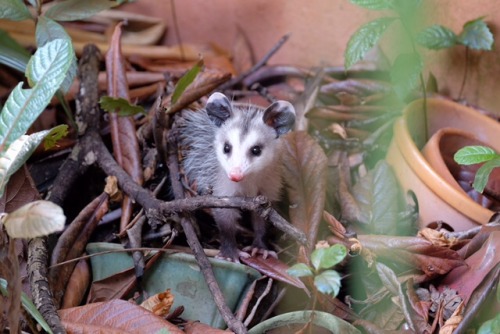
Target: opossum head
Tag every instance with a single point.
(247, 141)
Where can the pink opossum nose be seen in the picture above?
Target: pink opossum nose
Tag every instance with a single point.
(236, 175)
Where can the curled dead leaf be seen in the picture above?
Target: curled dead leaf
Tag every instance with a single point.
(160, 303)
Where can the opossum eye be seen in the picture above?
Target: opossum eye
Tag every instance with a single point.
(227, 148)
(256, 150)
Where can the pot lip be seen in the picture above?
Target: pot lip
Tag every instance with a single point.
(426, 173)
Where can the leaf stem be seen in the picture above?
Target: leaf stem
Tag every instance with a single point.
(465, 73)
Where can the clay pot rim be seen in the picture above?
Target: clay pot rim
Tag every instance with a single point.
(422, 168)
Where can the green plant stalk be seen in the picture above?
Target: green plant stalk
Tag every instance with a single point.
(466, 69)
(421, 77)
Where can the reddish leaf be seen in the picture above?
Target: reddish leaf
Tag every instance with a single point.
(412, 251)
(465, 279)
(275, 269)
(115, 316)
(305, 176)
(125, 143)
(72, 242)
(115, 286)
(77, 285)
(20, 190)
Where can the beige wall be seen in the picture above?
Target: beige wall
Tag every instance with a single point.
(320, 30)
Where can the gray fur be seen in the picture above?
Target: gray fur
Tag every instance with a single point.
(203, 135)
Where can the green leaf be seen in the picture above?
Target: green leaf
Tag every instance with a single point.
(483, 174)
(476, 35)
(186, 80)
(16, 155)
(328, 282)
(46, 70)
(437, 37)
(48, 30)
(316, 257)
(470, 155)
(373, 4)
(14, 10)
(405, 73)
(28, 306)
(324, 258)
(379, 196)
(12, 54)
(111, 104)
(491, 326)
(55, 135)
(72, 10)
(300, 270)
(364, 39)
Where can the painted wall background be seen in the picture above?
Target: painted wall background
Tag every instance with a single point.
(320, 30)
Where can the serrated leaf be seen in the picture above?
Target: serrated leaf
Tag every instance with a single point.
(16, 155)
(470, 155)
(14, 10)
(28, 306)
(35, 219)
(46, 70)
(186, 80)
(328, 282)
(476, 35)
(300, 270)
(330, 256)
(483, 174)
(378, 195)
(405, 73)
(72, 10)
(364, 39)
(55, 135)
(437, 37)
(48, 30)
(112, 104)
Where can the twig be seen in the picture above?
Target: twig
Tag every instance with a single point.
(258, 65)
(187, 224)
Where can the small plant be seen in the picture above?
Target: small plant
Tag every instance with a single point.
(471, 155)
(406, 70)
(326, 280)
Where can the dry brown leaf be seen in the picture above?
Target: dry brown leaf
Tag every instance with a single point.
(305, 175)
(160, 303)
(77, 285)
(20, 190)
(125, 144)
(437, 238)
(115, 316)
(335, 226)
(111, 188)
(453, 322)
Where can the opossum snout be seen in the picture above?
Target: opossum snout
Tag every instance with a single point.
(235, 174)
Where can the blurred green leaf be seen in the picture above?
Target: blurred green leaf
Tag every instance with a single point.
(483, 174)
(476, 35)
(72, 10)
(491, 326)
(328, 282)
(186, 80)
(14, 10)
(119, 105)
(300, 270)
(470, 155)
(364, 39)
(405, 73)
(437, 37)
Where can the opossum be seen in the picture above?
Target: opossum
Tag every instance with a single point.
(234, 149)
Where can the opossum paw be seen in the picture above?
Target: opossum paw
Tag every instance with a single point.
(233, 256)
(262, 251)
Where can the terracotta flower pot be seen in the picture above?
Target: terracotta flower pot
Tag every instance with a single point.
(439, 198)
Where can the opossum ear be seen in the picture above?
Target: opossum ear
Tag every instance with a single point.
(281, 116)
(218, 108)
